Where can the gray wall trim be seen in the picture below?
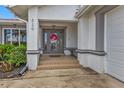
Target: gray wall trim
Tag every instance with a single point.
(41, 49)
(33, 51)
(88, 51)
(100, 26)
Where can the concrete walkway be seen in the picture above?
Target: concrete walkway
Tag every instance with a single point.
(51, 75)
(62, 78)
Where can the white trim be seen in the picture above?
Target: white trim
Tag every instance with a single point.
(2, 36)
(12, 21)
(22, 20)
(19, 36)
(11, 36)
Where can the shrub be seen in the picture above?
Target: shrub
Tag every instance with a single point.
(4, 51)
(17, 56)
(12, 56)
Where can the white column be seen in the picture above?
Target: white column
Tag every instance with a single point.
(32, 38)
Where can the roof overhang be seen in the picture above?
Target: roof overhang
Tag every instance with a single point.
(21, 11)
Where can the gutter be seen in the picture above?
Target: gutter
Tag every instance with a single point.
(83, 10)
(22, 20)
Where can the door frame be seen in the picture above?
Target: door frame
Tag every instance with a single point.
(52, 30)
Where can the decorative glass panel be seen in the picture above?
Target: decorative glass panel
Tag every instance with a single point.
(45, 40)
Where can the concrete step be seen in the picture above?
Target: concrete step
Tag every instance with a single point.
(54, 54)
(58, 66)
(58, 62)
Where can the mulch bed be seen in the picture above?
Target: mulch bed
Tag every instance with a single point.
(12, 74)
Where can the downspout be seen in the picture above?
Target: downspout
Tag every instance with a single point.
(22, 20)
(25, 68)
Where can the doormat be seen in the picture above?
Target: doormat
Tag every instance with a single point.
(54, 55)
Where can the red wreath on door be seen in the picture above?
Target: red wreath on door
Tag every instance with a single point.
(53, 37)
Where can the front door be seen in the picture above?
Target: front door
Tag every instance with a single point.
(53, 41)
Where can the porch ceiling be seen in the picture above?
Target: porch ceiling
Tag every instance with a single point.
(56, 24)
(53, 27)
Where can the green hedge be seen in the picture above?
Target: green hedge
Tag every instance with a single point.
(14, 55)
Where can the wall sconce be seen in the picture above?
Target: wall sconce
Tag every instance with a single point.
(54, 27)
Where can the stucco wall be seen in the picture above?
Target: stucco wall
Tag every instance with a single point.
(71, 36)
(57, 12)
(87, 40)
(92, 32)
(83, 33)
(83, 39)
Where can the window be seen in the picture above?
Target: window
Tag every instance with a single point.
(15, 36)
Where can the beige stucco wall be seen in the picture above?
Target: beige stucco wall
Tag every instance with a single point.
(92, 31)
(57, 12)
(87, 40)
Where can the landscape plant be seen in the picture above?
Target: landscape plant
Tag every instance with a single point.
(12, 56)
